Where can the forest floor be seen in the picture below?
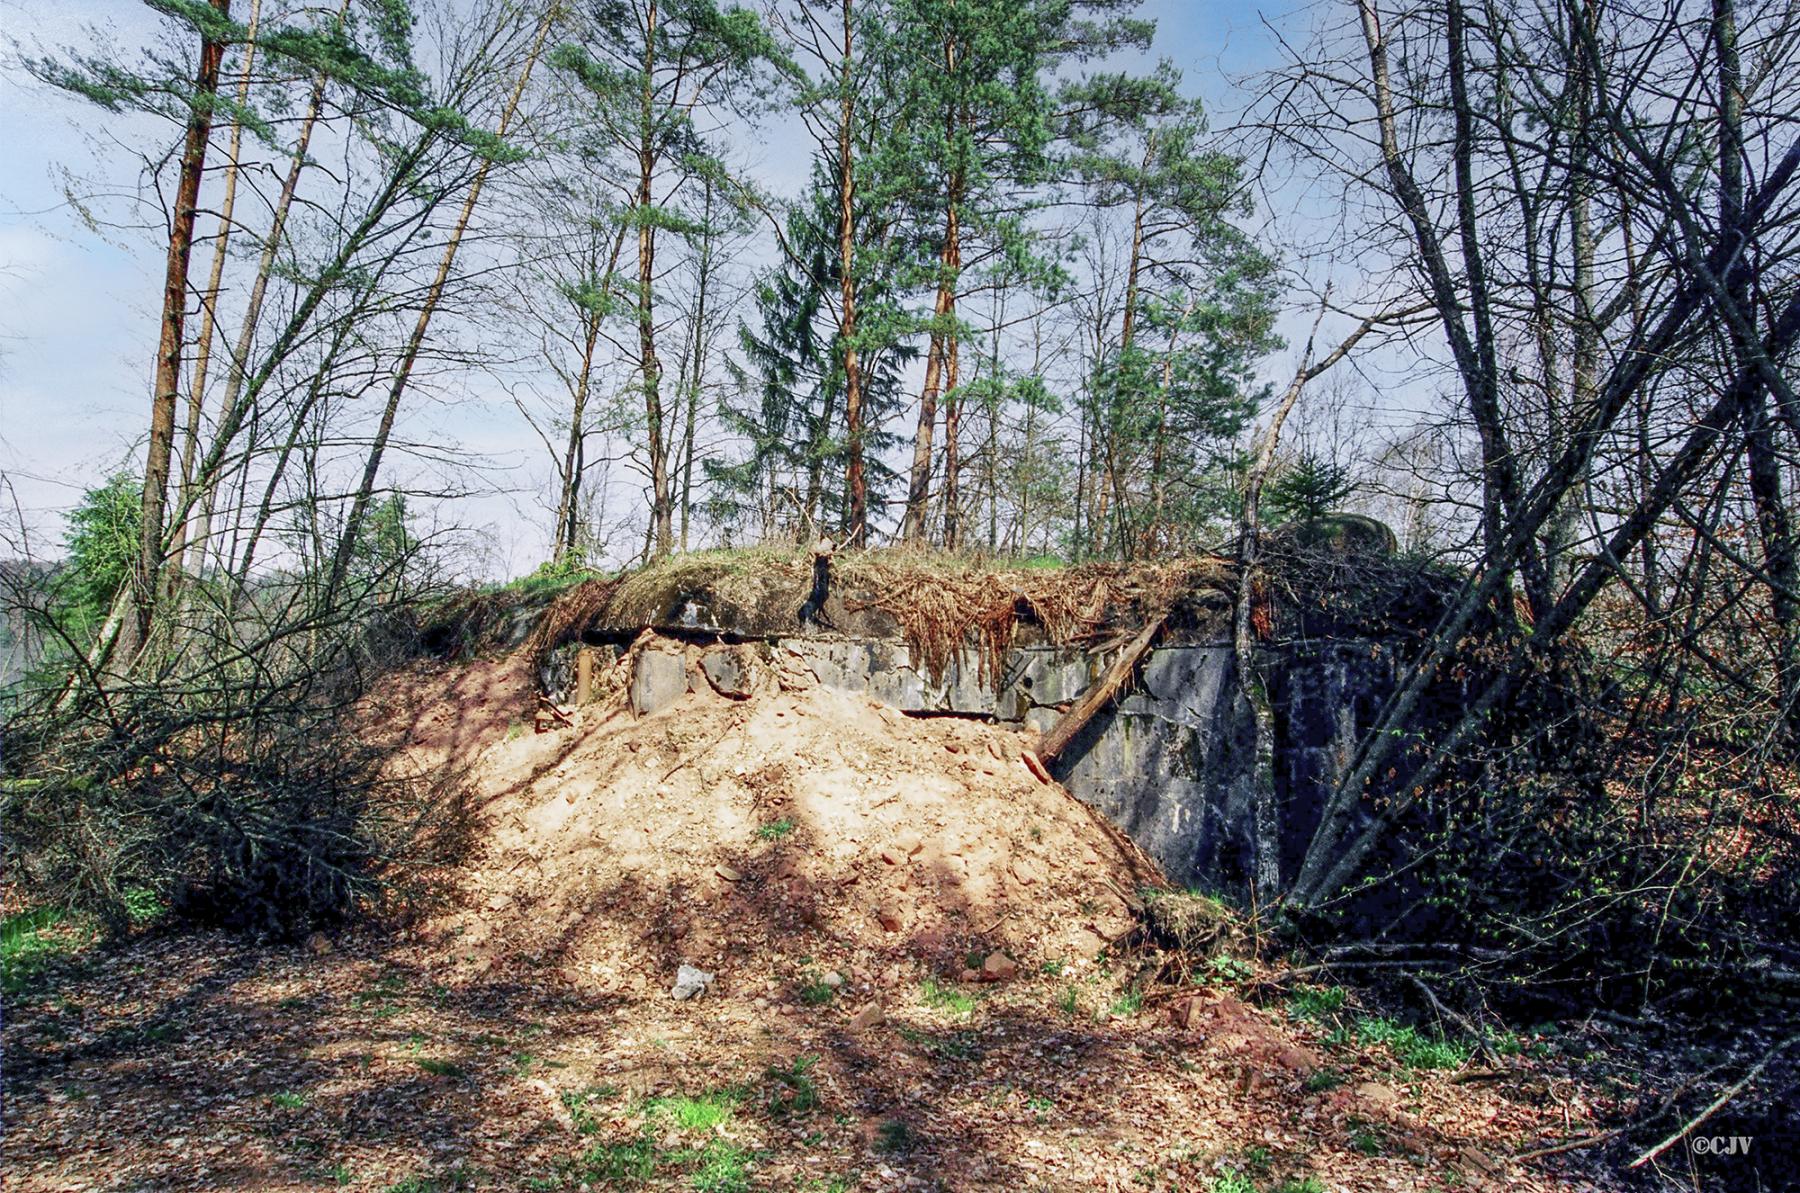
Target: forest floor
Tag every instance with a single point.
(927, 969)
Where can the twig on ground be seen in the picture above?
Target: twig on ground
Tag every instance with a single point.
(1719, 1102)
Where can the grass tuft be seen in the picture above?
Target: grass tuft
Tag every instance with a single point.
(941, 996)
(695, 1113)
(1411, 1047)
(1316, 1004)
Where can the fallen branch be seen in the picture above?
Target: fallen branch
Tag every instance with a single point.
(1462, 1021)
(1057, 738)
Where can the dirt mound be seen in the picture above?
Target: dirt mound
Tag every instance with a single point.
(755, 837)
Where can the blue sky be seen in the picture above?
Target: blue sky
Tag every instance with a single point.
(78, 309)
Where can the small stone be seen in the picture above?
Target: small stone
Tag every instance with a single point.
(892, 855)
(728, 873)
(832, 979)
(690, 983)
(908, 843)
(998, 967)
(888, 918)
(969, 975)
(1296, 1059)
(870, 1016)
(317, 944)
(1185, 1013)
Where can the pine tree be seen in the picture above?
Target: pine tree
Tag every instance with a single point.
(648, 70)
(1175, 387)
(800, 446)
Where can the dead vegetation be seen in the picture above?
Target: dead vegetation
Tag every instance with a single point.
(940, 605)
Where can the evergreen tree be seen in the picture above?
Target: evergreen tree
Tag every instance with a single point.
(799, 442)
(105, 532)
(966, 156)
(1175, 386)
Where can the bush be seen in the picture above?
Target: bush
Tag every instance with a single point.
(220, 771)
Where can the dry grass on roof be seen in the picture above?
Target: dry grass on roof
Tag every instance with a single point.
(941, 610)
(943, 604)
(573, 611)
(754, 585)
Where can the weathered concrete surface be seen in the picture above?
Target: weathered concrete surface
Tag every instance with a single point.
(658, 680)
(1172, 764)
(730, 670)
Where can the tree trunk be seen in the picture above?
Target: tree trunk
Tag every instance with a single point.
(856, 530)
(1773, 523)
(661, 532)
(1054, 740)
(696, 368)
(952, 448)
(568, 507)
(943, 336)
(205, 491)
(209, 303)
(167, 378)
(918, 494)
(1474, 355)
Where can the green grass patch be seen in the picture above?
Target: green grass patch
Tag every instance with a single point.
(34, 939)
(717, 1166)
(287, 1099)
(1410, 1046)
(941, 996)
(440, 1068)
(582, 1102)
(1233, 1182)
(1304, 1184)
(1127, 1004)
(701, 1112)
(721, 1166)
(1317, 1004)
(1366, 1138)
(460, 1177)
(795, 1090)
(775, 830)
(1321, 1080)
(631, 1160)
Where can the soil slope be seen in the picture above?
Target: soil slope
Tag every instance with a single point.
(737, 834)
